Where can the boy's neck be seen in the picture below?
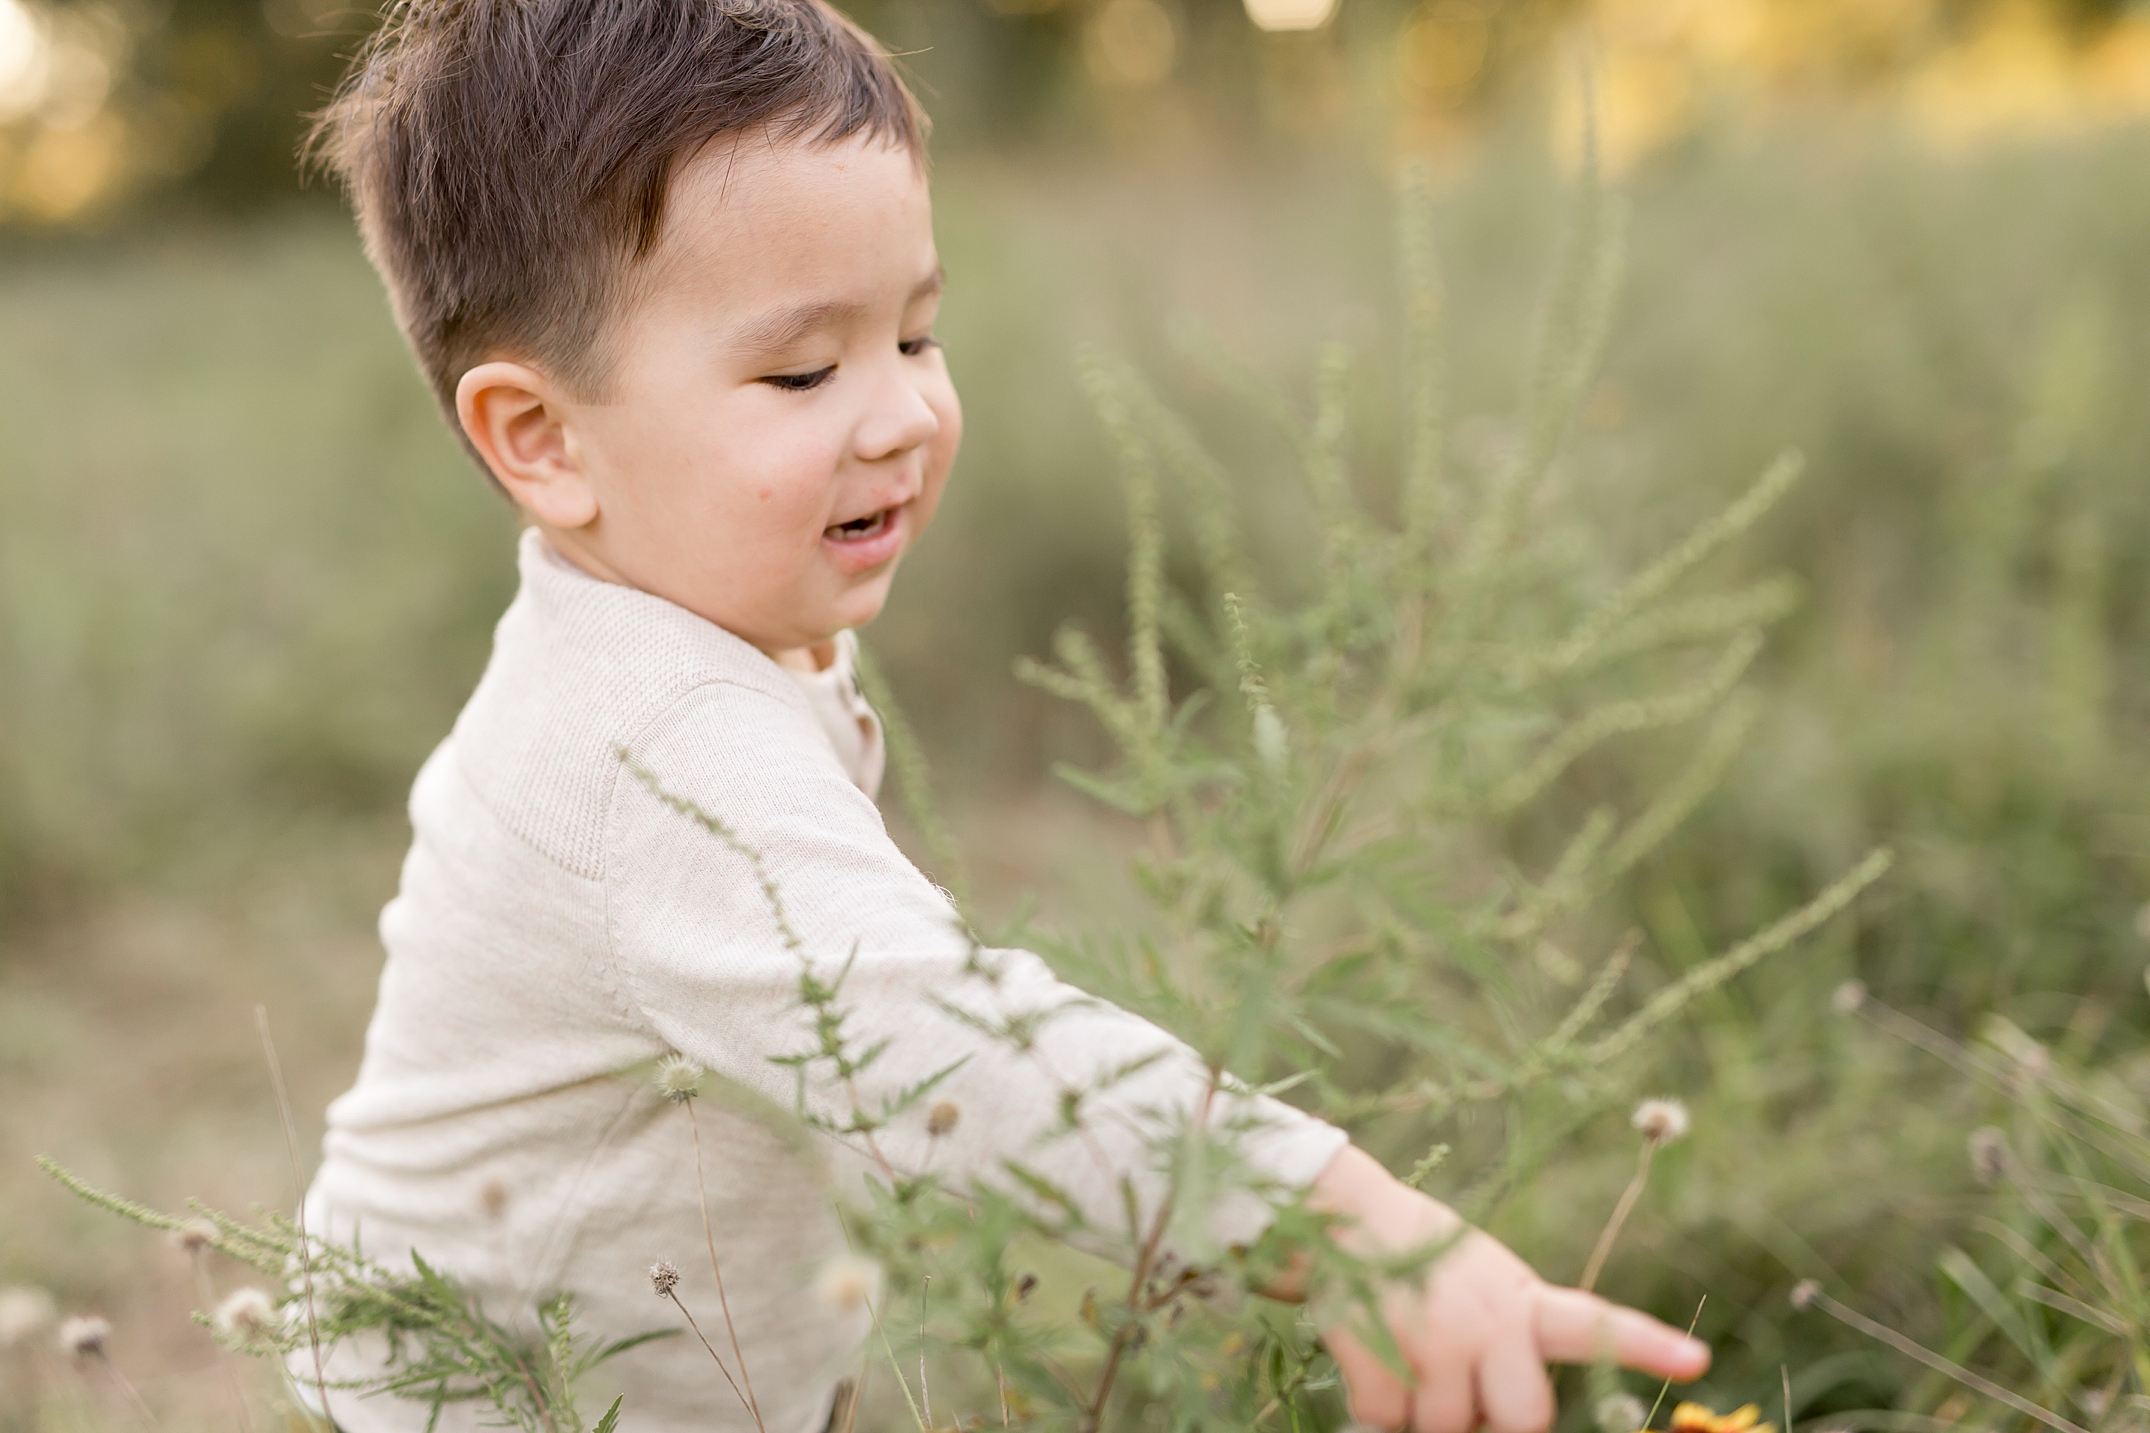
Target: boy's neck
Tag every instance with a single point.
(818, 657)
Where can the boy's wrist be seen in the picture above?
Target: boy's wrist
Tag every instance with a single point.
(1374, 1212)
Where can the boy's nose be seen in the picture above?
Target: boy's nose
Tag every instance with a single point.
(898, 420)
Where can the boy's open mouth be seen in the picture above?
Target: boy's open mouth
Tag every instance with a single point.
(861, 528)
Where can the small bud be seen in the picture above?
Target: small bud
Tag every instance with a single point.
(1848, 997)
(25, 1312)
(1804, 1293)
(1660, 1121)
(1989, 1154)
(196, 1236)
(941, 1119)
(1621, 1413)
(84, 1336)
(679, 1079)
(663, 1278)
(848, 1282)
(246, 1316)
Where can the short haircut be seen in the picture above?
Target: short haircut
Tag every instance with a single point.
(509, 159)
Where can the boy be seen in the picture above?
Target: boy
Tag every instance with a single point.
(669, 264)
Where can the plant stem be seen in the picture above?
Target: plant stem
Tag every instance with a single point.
(1911, 1348)
(1625, 1207)
(298, 1180)
(127, 1387)
(701, 1188)
(721, 1368)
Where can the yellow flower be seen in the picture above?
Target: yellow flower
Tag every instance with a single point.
(1695, 1418)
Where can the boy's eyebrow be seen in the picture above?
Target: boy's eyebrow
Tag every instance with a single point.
(772, 332)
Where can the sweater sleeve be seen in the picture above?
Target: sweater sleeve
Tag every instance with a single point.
(695, 934)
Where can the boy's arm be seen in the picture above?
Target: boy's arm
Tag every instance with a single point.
(1479, 1329)
(700, 955)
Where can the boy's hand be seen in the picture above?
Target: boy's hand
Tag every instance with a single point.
(1479, 1331)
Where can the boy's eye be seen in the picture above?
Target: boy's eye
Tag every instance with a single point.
(912, 347)
(800, 382)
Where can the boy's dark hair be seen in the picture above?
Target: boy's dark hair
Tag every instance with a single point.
(509, 159)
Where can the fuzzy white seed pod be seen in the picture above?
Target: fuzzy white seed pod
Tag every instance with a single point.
(246, 1316)
(1804, 1292)
(1621, 1413)
(663, 1278)
(847, 1282)
(1848, 997)
(194, 1237)
(1660, 1121)
(25, 1312)
(679, 1079)
(84, 1336)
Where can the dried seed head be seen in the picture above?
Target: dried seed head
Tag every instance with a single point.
(1621, 1413)
(493, 1199)
(847, 1282)
(1848, 997)
(941, 1119)
(663, 1278)
(1660, 1121)
(1804, 1292)
(84, 1336)
(25, 1312)
(1989, 1154)
(679, 1079)
(246, 1316)
(196, 1236)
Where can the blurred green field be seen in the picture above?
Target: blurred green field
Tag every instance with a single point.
(246, 580)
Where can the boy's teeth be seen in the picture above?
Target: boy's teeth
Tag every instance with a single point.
(860, 526)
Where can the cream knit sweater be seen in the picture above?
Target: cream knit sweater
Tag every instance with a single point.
(558, 926)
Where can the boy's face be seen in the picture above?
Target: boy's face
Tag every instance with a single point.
(779, 421)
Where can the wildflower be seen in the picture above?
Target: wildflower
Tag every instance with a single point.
(941, 1119)
(1804, 1291)
(847, 1282)
(1848, 997)
(1621, 1413)
(663, 1278)
(246, 1316)
(84, 1336)
(194, 1237)
(25, 1313)
(1697, 1418)
(679, 1079)
(1660, 1121)
(1989, 1154)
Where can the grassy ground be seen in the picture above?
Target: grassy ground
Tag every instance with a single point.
(246, 580)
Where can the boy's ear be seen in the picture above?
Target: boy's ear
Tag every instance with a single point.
(515, 419)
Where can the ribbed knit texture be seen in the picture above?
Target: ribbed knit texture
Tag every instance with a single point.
(557, 925)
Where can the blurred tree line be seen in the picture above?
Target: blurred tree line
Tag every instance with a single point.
(112, 111)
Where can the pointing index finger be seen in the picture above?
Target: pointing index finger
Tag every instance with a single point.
(1575, 1327)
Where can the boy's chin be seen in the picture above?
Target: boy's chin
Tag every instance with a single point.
(863, 603)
